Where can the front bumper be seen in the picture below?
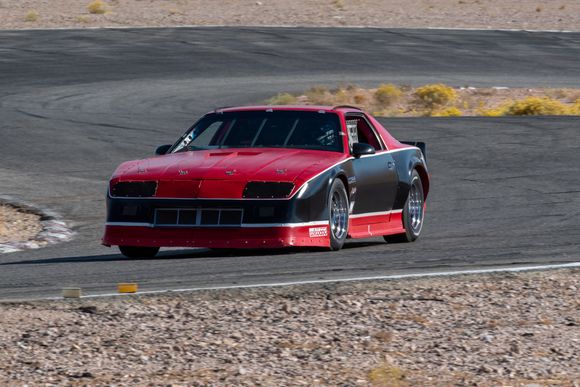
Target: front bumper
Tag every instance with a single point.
(262, 223)
(312, 234)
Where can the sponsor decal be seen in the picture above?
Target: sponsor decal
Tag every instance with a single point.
(317, 232)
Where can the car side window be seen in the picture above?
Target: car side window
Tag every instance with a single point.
(364, 132)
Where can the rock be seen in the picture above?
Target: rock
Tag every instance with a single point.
(90, 309)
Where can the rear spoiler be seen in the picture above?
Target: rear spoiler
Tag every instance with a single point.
(418, 144)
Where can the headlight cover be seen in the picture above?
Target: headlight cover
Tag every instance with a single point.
(267, 190)
(137, 189)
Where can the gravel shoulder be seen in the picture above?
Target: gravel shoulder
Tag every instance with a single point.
(16, 225)
(501, 329)
(481, 14)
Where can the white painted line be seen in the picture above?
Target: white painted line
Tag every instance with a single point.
(353, 279)
(281, 26)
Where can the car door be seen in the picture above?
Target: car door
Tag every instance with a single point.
(376, 175)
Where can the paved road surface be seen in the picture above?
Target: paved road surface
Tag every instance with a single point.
(73, 104)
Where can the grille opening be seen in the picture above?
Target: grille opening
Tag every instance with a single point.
(134, 189)
(130, 210)
(166, 217)
(266, 212)
(230, 217)
(210, 217)
(196, 217)
(188, 217)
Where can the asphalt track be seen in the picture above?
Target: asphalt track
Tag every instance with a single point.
(73, 104)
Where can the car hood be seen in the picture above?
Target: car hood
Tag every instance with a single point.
(223, 173)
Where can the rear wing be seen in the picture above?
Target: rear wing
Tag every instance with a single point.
(418, 144)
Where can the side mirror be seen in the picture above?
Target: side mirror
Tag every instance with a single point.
(360, 148)
(160, 151)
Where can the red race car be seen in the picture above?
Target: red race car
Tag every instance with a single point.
(264, 176)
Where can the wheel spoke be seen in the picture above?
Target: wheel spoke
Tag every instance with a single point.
(338, 215)
(415, 207)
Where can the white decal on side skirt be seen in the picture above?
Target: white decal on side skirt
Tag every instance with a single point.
(318, 232)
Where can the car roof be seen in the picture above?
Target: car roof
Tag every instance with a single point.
(305, 108)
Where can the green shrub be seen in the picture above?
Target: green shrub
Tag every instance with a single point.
(435, 95)
(448, 112)
(97, 7)
(536, 106)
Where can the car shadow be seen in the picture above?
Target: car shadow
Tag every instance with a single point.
(194, 254)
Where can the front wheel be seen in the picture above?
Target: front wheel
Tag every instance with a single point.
(338, 214)
(139, 252)
(413, 213)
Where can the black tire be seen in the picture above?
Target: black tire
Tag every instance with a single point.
(139, 252)
(337, 214)
(413, 213)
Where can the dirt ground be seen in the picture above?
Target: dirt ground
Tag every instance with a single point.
(489, 330)
(17, 225)
(482, 14)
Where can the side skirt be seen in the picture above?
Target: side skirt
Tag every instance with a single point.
(376, 224)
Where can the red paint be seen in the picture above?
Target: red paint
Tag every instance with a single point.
(375, 225)
(224, 173)
(247, 237)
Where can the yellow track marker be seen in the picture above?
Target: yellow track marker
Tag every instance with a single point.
(127, 288)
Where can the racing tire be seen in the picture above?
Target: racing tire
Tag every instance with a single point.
(413, 213)
(337, 214)
(139, 252)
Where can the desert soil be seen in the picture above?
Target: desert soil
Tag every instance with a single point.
(485, 14)
(490, 330)
(17, 225)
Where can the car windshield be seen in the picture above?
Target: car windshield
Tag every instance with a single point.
(264, 129)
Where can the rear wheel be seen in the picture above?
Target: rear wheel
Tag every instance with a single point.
(413, 213)
(338, 214)
(139, 252)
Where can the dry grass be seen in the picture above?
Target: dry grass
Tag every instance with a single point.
(439, 100)
(283, 99)
(387, 94)
(387, 375)
(338, 4)
(83, 19)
